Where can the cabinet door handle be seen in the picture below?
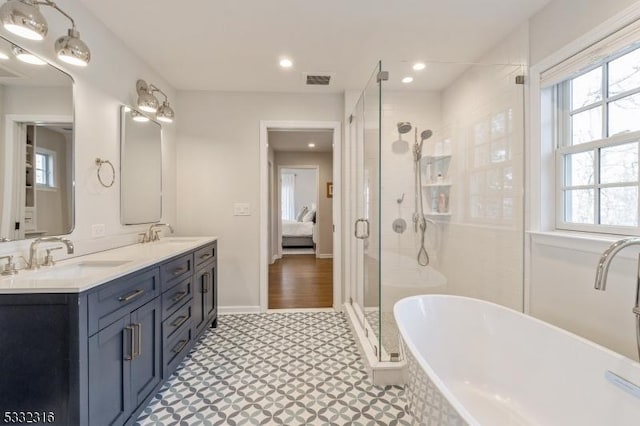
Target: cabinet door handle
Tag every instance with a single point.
(179, 271)
(178, 296)
(179, 321)
(206, 256)
(133, 295)
(205, 283)
(138, 327)
(129, 356)
(180, 346)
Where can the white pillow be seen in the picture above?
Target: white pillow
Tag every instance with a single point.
(303, 211)
(309, 216)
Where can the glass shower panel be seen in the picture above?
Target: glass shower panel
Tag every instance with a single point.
(367, 226)
(471, 171)
(356, 128)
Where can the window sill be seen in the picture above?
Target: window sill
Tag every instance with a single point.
(578, 241)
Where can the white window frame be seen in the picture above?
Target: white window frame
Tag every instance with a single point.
(541, 171)
(51, 171)
(563, 147)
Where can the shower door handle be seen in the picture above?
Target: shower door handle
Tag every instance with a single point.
(366, 228)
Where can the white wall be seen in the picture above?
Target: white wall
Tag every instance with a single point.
(100, 89)
(52, 212)
(562, 21)
(218, 159)
(562, 267)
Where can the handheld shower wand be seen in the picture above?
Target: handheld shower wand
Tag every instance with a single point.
(419, 221)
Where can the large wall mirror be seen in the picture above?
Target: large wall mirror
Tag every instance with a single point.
(140, 168)
(36, 147)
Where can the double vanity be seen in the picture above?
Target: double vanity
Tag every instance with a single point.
(90, 340)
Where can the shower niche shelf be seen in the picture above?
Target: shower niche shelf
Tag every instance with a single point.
(437, 188)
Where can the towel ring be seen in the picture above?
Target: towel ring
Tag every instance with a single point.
(100, 163)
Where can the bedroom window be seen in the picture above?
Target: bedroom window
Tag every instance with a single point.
(45, 168)
(287, 191)
(595, 112)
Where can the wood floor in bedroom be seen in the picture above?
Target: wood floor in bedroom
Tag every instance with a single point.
(301, 281)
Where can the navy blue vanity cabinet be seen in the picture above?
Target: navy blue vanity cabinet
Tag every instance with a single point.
(98, 357)
(124, 361)
(177, 325)
(205, 299)
(39, 350)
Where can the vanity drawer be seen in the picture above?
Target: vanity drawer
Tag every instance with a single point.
(177, 322)
(175, 270)
(176, 296)
(121, 296)
(206, 253)
(175, 350)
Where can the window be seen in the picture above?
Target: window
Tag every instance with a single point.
(288, 190)
(490, 163)
(597, 127)
(45, 168)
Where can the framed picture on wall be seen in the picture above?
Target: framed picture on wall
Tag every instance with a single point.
(329, 189)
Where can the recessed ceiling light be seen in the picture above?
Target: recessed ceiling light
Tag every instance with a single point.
(311, 145)
(3, 55)
(418, 66)
(407, 79)
(286, 63)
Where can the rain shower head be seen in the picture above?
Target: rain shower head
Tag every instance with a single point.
(404, 127)
(426, 134)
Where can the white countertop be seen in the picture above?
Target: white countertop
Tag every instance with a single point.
(85, 272)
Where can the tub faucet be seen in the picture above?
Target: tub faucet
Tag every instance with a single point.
(603, 271)
(152, 234)
(33, 249)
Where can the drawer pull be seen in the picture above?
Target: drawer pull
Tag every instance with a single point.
(179, 296)
(129, 297)
(130, 355)
(205, 283)
(180, 346)
(179, 271)
(206, 256)
(179, 321)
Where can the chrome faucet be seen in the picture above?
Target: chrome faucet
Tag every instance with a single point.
(33, 249)
(152, 235)
(603, 271)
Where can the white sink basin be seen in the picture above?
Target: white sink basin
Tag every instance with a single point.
(76, 270)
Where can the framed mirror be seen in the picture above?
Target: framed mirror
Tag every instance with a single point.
(140, 168)
(36, 147)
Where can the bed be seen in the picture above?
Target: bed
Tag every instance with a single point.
(298, 234)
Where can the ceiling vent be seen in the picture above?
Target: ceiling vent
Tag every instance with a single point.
(317, 79)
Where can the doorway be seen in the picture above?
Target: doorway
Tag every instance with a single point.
(300, 221)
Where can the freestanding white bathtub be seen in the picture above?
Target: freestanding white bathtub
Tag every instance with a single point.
(478, 363)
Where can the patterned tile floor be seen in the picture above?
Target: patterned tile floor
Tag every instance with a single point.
(300, 368)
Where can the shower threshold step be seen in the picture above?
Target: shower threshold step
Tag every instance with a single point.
(381, 373)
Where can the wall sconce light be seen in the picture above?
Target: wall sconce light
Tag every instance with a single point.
(147, 102)
(24, 18)
(25, 56)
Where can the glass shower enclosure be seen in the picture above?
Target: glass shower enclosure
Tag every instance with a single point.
(444, 155)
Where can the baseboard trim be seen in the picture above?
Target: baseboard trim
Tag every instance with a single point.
(275, 257)
(324, 256)
(226, 310)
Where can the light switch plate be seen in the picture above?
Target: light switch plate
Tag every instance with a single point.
(98, 230)
(241, 209)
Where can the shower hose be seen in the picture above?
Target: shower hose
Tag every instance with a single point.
(419, 220)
